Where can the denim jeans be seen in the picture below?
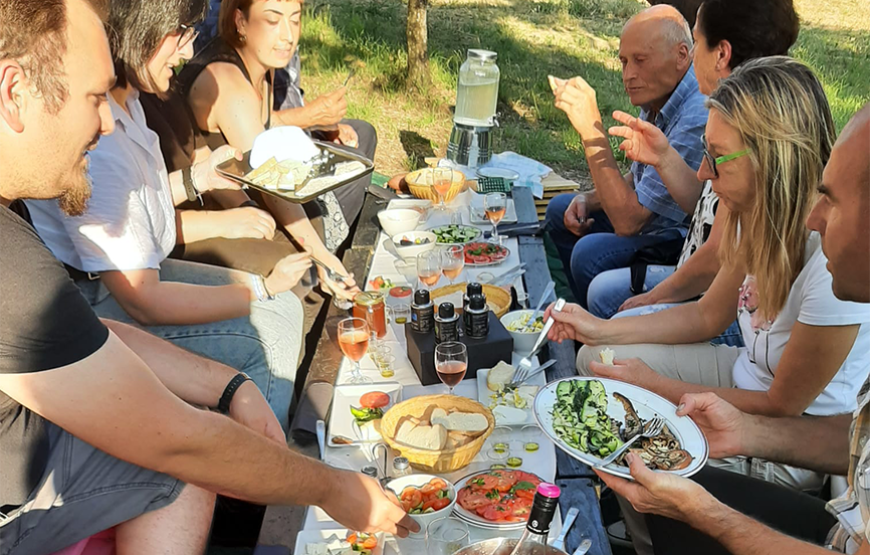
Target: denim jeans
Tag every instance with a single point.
(731, 337)
(599, 250)
(610, 289)
(265, 345)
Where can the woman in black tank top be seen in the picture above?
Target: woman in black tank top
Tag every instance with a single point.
(228, 87)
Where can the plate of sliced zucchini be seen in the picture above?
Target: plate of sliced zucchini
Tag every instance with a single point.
(455, 234)
(590, 418)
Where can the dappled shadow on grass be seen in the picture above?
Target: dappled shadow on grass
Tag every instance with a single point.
(531, 125)
(417, 148)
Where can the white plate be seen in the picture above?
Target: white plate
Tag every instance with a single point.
(412, 203)
(646, 403)
(478, 215)
(304, 537)
(341, 421)
(483, 395)
(473, 518)
(504, 173)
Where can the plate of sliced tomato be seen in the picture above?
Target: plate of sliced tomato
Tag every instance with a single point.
(496, 499)
(482, 253)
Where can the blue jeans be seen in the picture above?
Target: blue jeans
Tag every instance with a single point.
(265, 345)
(731, 336)
(610, 289)
(599, 250)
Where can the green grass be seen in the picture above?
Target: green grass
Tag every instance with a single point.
(534, 38)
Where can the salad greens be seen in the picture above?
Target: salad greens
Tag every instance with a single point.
(580, 417)
(454, 233)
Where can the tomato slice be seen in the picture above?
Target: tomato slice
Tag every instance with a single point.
(374, 400)
(521, 507)
(471, 500)
(436, 504)
(492, 513)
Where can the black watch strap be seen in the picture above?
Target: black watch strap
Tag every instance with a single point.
(249, 202)
(230, 390)
(187, 180)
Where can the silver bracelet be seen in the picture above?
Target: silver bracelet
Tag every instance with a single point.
(260, 289)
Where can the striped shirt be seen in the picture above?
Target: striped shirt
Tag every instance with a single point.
(682, 119)
(853, 508)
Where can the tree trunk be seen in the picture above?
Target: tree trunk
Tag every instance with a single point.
(418, 48)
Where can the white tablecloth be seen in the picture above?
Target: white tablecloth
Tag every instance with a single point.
(542, 462)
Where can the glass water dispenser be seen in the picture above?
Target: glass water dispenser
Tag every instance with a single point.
(473, 122)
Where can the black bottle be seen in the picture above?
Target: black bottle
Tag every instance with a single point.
(473, 288)
(477, 317)
(446, 324)
(422, 312)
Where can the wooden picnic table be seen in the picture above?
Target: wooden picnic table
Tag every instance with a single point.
(575, 479)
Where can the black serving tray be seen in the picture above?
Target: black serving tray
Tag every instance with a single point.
(330, 156)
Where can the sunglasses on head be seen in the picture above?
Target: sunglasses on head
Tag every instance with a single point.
(187, 34)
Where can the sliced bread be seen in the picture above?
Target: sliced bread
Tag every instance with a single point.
(467, 422)
(433, 438)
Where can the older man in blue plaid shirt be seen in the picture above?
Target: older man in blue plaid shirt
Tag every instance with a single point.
(632, 211)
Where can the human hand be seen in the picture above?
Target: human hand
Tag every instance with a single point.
(398, 183)
(287, 272)
(206, 178)
(245, 222)
(633, 371)
(660, 493)
(644, 142)
(573, 322)
(578, 100)
(347, 136)
(575, 219)
(250, 409)
(346, 289)
(644, 299)
(330, 108)
(372, 509)
(726, 427)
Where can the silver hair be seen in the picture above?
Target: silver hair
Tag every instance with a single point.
(678, 32)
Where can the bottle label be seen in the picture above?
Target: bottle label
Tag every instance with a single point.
(477, 325)
(446, 331)
(541, 517)
(422, 319)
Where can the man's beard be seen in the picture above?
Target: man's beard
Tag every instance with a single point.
(74, 200)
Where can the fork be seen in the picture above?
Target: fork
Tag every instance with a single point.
(526, 362)
(650, 429)
(559, 543)
(523, 375)
(330, 273)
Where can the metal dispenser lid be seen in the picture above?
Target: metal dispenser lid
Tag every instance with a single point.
(483, 55)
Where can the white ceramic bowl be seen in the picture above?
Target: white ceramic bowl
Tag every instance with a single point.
(410, 252)
(523, 342)
(419, 480)
(398, 220)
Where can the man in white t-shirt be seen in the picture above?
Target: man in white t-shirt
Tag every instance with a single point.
(834, 444)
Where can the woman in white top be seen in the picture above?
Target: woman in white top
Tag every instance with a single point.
(769, 135)
(118, 248)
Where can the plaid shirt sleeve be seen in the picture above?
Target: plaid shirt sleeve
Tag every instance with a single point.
(683, 129)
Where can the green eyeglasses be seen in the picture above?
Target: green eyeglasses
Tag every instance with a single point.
(720, 160)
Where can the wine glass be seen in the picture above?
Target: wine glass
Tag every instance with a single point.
(495, 205)
(452, 262)
(451, 361)
(429, 268)
(446, 536)
(353, 338)
(442, 180)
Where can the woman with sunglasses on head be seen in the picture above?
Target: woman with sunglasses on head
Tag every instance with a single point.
(229, 88)
(117, 250)
(769, 135)
(727, 34)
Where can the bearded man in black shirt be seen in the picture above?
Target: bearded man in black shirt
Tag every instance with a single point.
(98, 424)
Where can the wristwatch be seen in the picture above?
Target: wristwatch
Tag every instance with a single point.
(189, 185)
(230, 390)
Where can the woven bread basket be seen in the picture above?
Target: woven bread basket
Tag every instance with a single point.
(437, 462)
(498, 299)
(419, 184)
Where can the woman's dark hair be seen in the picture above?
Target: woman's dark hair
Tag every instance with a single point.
(136, 27)
(755, 28)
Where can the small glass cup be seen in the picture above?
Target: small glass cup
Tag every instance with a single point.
(386, 364)
(500, 444)
(531, 436)
(446, 536)
(402, 314)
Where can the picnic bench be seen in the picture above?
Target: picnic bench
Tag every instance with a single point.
(575, 479)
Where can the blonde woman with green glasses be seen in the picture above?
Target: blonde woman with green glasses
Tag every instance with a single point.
(769, 135)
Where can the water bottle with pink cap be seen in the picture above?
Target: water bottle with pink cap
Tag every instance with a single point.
(534, 539)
